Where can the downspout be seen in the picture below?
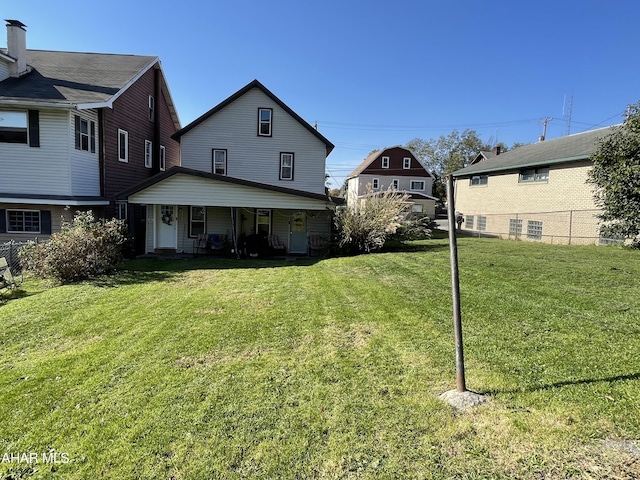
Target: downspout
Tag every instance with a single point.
(101, 154)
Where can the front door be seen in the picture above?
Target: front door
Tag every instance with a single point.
(298, 233)
(166, 226)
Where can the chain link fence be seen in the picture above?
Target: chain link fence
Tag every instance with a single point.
(561, 227)
(10, 251)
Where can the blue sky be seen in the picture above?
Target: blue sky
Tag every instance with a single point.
(375, 73)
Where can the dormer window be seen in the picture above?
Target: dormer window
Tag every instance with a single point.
(385, 162)
(406, 163)
(265, 116)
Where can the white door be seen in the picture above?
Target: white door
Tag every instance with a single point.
(166, 226)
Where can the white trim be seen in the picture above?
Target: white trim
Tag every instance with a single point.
(395, 181)
(375, 183)
(404, 163)
(163, 158)
(383, 162)
(126, 146)
(148, 153)
(46, 201)
(411, 182)
(7, 58)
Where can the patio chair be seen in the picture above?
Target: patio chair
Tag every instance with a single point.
(317, 244)
(200, 243)
(276, 245)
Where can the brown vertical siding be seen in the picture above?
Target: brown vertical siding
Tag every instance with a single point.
(396, 156)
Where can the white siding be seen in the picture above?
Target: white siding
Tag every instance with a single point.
(39, 170)
(250, 156)
(85, 167)
(187, 190)
(4, 70)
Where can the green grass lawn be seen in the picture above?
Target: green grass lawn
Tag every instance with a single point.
(211, 368)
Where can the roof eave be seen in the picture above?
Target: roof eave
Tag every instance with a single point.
(461, 173)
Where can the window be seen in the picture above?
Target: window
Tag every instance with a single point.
(482, 223)
(148, 154)
(264, 121)
(479, 180)
(123, 145)
(385, 162)
(534, 175)
(152, 108)
(85, 134)
(534, 230)
(23, 221)
(219, 161)
(121, 210)
(197, 221)
(416, 208)
(286, 166)
(13, 127)
(395, 184)
(468, 222)
(375, 183)
(263, 222)
(515, 227)
(406, 163)
(417, 185)
(163, 158)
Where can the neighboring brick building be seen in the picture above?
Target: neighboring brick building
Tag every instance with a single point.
(534, 192)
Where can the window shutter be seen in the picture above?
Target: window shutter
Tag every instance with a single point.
(77, 118)
(3, 220)
(45, 222)
(92, 136)
(34, 128)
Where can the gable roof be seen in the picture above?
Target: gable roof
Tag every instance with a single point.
(377, 153)
(578, 146)
(78, 80)
(223, 178)
(241, 92)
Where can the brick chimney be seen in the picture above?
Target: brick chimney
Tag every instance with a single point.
(496, 150)
(17, 47)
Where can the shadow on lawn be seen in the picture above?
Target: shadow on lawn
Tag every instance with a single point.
(565, 383)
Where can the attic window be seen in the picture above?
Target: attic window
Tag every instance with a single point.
(406, 163)
(264, 122)
(13, 127)
(385, 162)
(152, 108)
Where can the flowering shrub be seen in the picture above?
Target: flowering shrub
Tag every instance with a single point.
(84, 248)
(374, 219)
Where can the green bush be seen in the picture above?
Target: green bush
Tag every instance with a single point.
(84, 248)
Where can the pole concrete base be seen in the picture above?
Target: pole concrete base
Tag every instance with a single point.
(463, 400)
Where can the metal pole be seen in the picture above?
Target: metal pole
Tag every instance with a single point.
(455, 287)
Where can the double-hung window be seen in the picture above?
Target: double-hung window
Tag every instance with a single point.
(219, 161)
(123, 145)
(148, 154)
(27, 221)
(197, 221)
(406, 163)
(395, 184)
(85, 134)
(385, 162)
(375, 183)
(265, 117)
(286, 166)
(163, 158)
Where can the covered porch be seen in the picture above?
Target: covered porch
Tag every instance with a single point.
(183, 205)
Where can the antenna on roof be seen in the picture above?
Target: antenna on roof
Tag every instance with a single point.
(544, 128)
(567, 115)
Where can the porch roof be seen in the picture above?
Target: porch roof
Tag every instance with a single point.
(183, 186)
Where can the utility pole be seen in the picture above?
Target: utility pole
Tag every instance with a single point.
(544, 128)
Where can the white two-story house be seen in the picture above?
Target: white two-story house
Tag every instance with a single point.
(250, 166)
(395, 168)
(75, 129)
